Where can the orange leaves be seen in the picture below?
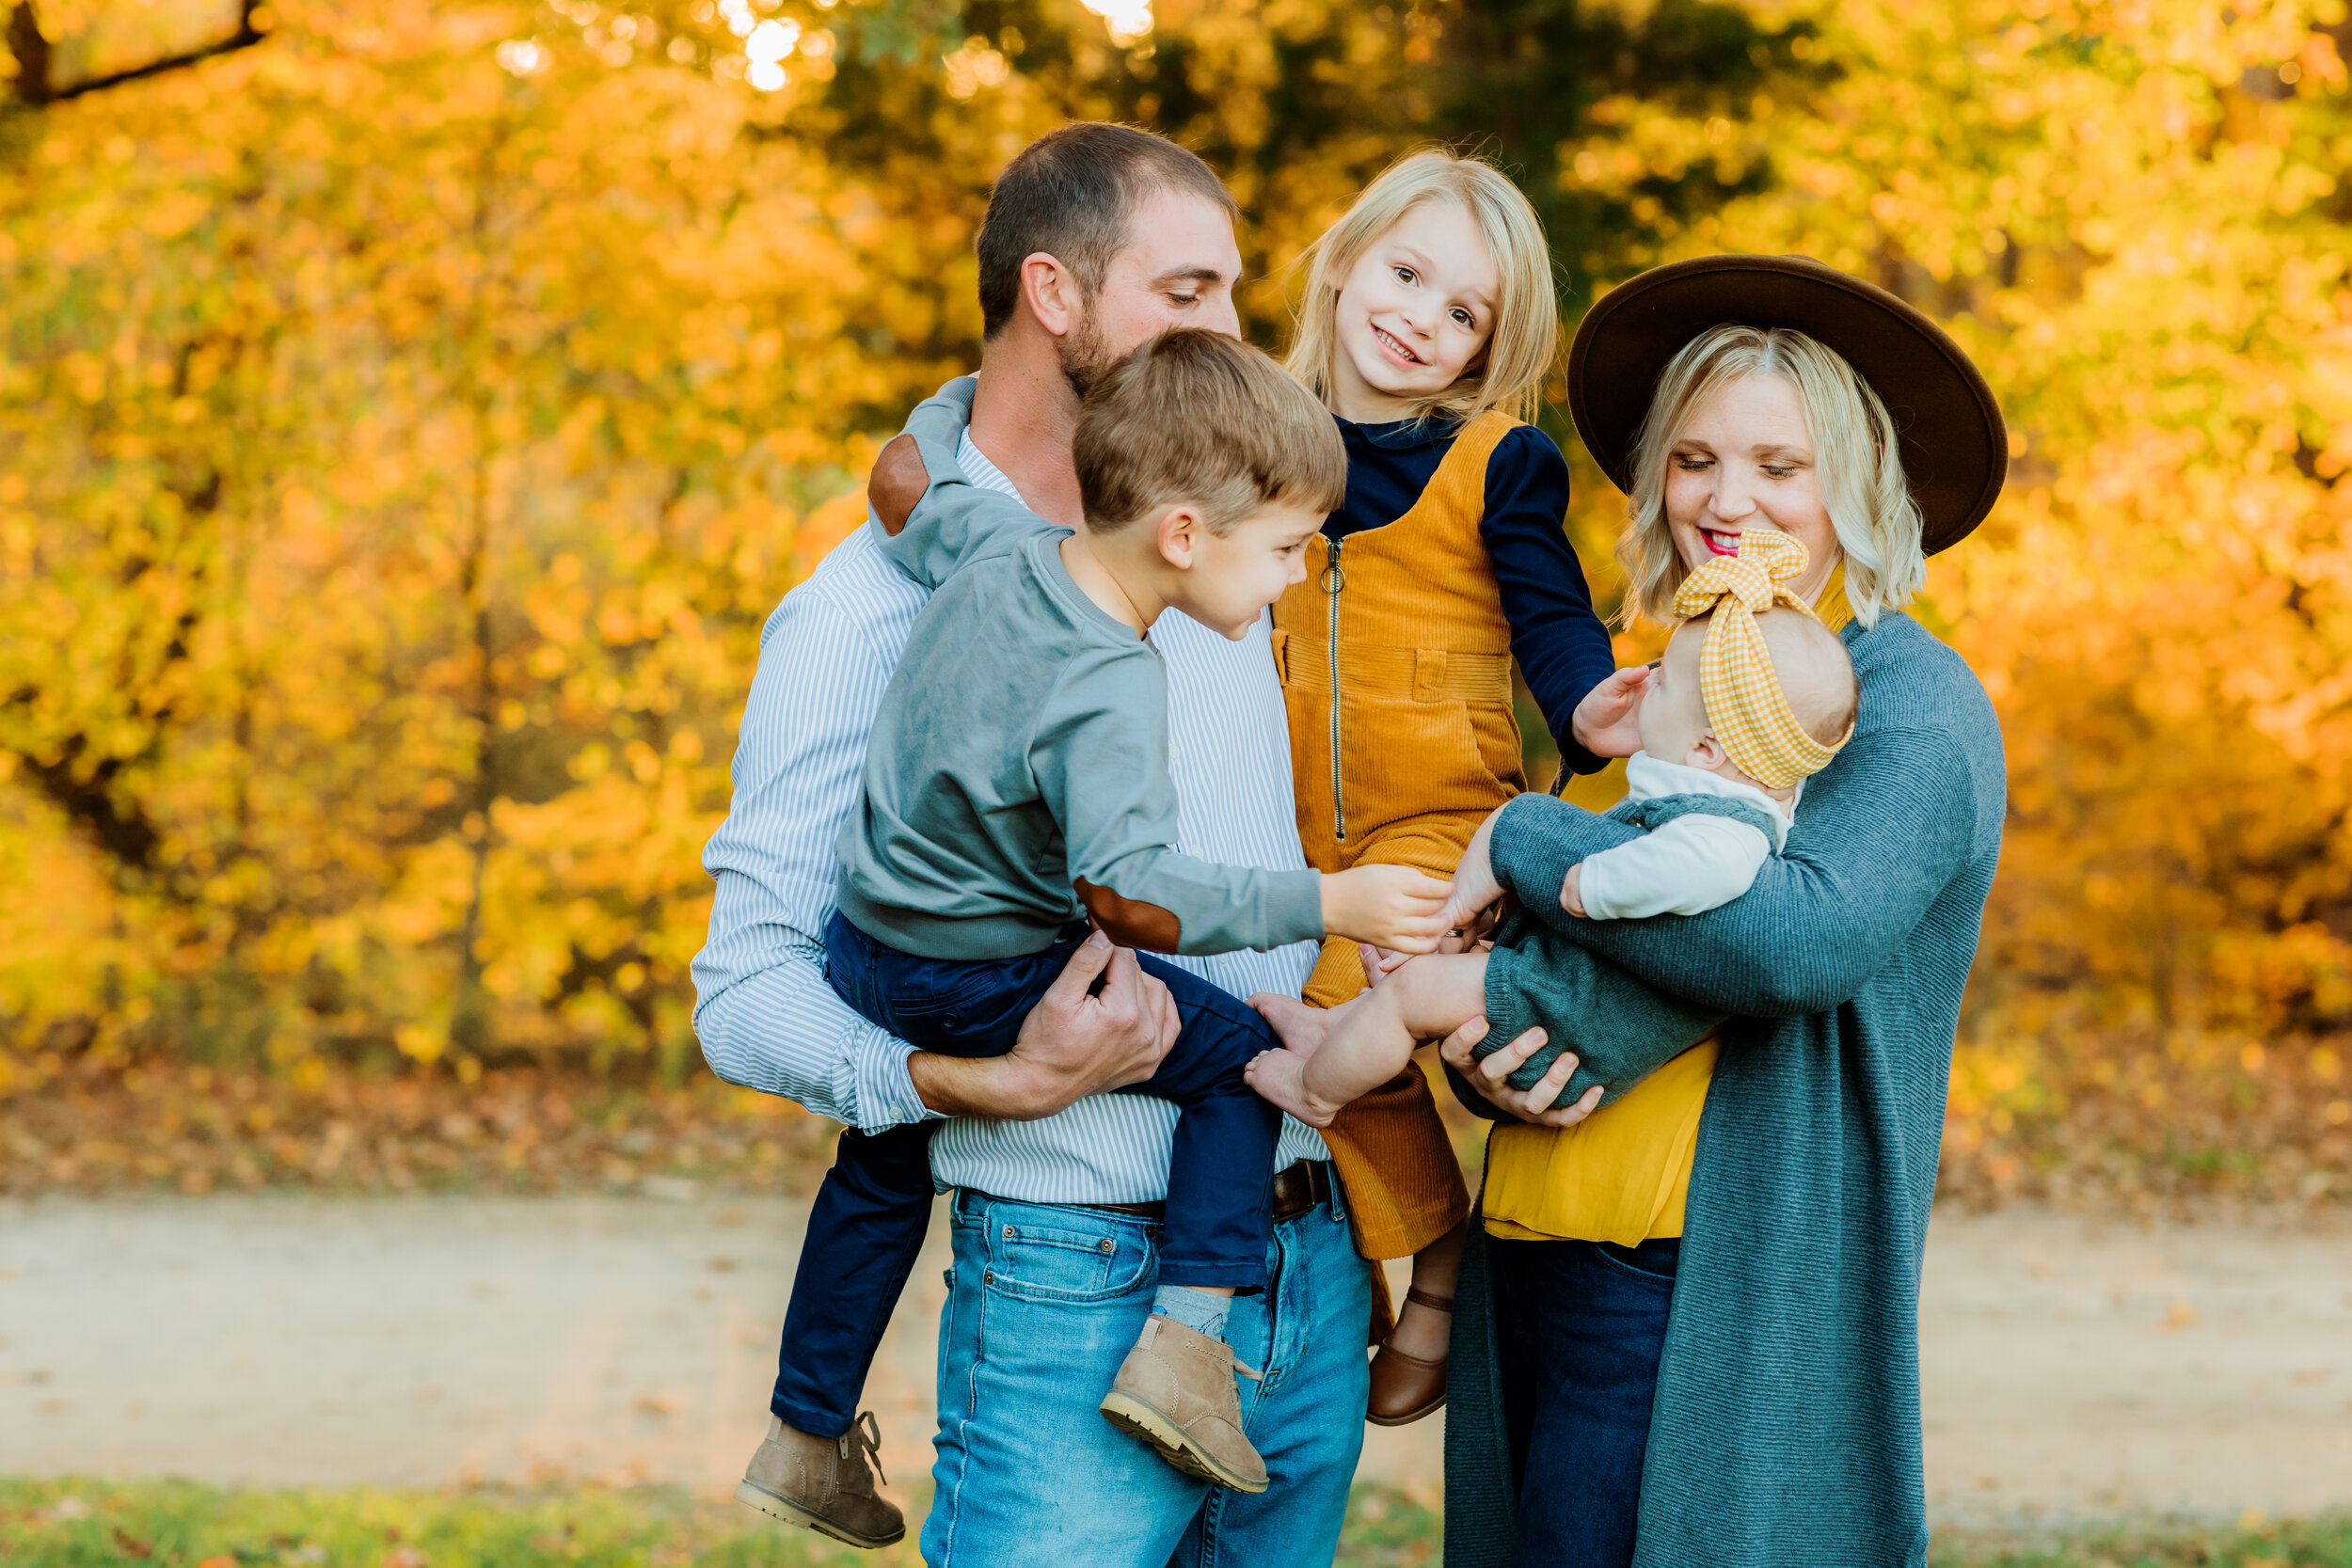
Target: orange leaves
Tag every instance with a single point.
(434, 450)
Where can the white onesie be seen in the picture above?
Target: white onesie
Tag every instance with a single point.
(1696, 863)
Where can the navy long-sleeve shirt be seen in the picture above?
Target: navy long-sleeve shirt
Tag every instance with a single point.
(1562, 648)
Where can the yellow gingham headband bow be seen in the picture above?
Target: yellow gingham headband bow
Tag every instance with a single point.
(1745, 706)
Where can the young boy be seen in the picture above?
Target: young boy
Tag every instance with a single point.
(1754, 695)
(1016, 785)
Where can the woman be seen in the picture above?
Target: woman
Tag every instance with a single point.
(1701, 1345)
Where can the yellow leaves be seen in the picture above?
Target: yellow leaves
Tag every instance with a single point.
(421, 1043)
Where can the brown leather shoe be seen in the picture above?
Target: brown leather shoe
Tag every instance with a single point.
(823, 1483)
(1176, 1392)
(1405, 1387)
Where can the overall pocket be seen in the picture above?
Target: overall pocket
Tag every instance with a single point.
(1406, 758)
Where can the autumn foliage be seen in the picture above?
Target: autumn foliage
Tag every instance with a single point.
(406, 424)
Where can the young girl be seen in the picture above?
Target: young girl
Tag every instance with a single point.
(1428, 327)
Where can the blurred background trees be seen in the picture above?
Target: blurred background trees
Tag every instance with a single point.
(408, 422)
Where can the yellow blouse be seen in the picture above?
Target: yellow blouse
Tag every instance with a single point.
(1623, 1174)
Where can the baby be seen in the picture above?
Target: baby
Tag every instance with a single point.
(1753, 696)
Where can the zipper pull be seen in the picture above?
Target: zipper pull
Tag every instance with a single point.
(1334, 577)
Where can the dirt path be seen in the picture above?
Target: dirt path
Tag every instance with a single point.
(2069, 1368)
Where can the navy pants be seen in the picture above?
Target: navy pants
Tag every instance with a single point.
(1580, 1326)
(870, 1214)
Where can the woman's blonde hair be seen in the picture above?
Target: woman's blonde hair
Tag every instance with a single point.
(1858, 460)
(1509, 372)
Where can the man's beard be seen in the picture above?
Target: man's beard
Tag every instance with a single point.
(1085, 356)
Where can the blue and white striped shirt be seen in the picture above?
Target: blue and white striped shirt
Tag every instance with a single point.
(768, 1020)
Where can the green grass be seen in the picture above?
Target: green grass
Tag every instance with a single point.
(162, 1523)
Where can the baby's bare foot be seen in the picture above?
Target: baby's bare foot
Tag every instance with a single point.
(1281, 1077)
(1301, 1027)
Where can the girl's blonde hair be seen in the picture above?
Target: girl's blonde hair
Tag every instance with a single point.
(1858, 460)
(1519, 352)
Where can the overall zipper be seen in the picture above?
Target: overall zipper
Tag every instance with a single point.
(1333, 581)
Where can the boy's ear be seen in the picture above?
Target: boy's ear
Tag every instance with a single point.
(1710, 753)
(1177, 531)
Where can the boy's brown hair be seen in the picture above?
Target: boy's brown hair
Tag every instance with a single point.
(1196, 417)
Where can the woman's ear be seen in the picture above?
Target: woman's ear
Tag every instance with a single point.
(1052, 294)
(1178, 530)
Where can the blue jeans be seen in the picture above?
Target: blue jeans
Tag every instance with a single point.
(1043, 1302)
(1579, 1328)
(867, 1222)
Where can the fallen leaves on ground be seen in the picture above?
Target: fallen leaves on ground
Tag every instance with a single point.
(173, 1128)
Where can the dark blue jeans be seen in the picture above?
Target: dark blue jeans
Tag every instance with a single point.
(1580, 1326)
(867, 1223)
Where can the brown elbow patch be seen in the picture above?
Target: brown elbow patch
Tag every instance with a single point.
(897, 482)
(1130, 922)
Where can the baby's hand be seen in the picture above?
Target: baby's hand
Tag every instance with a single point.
(1572, 891)
(1474, 885)
(1393, 905)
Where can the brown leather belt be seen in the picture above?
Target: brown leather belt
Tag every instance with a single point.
(1297, 1190)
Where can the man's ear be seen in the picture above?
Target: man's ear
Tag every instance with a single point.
(1178, 532)
(1050, 292)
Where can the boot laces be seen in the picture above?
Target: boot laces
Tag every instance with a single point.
(865, 1437)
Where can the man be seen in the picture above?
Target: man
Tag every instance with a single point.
(1096, 238)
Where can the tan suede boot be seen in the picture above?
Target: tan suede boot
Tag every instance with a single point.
(1175, 1391)
(823, 1483)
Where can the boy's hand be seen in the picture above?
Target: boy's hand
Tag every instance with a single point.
(1606, 721)
(1379, 963)
(1390, 905)
(1572, 891)
(1474, 885)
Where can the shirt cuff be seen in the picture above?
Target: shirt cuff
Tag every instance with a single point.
(881, 1089)
(1295, 902)
(1574, 759)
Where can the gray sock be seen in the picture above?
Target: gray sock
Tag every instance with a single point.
(1201, 1310)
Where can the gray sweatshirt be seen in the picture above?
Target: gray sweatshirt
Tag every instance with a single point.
(1017, 778)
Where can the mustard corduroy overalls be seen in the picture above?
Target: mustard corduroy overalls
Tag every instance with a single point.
(1406, 624)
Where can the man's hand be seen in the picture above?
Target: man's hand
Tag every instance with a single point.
(1605, 722)
(1491, 1076)
(1389, 906)
(1072, 1044)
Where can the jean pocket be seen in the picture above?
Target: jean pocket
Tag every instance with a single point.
(1046, 1263)
(938, 999)
(1626, 1261)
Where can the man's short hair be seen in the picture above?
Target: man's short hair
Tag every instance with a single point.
(1197, 417)
(1070, 194)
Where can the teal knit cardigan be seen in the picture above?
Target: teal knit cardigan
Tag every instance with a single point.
(1786, 1423)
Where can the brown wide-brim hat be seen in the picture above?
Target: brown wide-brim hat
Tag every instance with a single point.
(1955, 448)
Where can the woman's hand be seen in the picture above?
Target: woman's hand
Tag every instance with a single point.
(1606, 723)
(1489, 1077)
